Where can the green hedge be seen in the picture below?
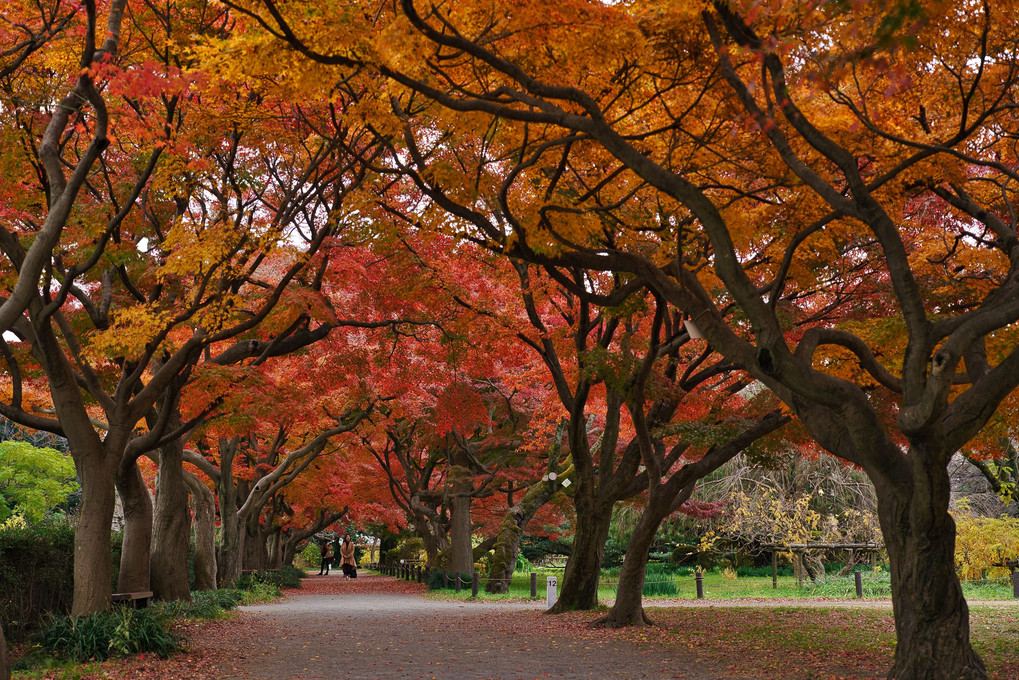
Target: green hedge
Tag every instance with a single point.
(36, 575)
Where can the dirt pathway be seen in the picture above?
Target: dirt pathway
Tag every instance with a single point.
(377, 627)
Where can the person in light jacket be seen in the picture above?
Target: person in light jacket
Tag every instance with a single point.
(347, 563)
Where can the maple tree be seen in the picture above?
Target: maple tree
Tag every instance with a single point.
(254, 456)
(188, 242)
(773, 129)
(651, 415)
(456, 401)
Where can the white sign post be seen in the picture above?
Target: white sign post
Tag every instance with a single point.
(550, 587)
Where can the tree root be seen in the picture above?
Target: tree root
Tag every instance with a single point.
(640, 619)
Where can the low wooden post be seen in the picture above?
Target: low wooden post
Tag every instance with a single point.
(700, 585)
(534, 585)
(456, 586)
(774, 569)
(859, 583)
(1015, 584)
(445, 579)
(474, 584)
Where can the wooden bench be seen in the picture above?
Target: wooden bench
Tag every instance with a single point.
(138, 600)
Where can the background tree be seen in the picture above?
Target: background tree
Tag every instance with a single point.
(795, 498)
(205, 262)
(33, 481)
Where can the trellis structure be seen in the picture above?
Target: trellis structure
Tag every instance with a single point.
(801, 549)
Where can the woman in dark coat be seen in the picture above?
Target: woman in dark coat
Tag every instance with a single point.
(327, 558)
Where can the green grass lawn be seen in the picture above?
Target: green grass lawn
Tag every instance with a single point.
(682, 586)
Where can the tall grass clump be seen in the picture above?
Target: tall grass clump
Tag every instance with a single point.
(660, 582)
(121, 631)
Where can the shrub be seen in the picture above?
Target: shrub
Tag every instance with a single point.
(435, 579)
(36, 575)
(411, 548)
(287, 577)
(310, 557)
(684, 554)
(983, 543)
(391, 556)
(118, 632)
(205, 604)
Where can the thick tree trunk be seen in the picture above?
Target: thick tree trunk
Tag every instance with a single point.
(203, 507)
(134, 553)
(171, 527)
(931, 615)
(580, 581)
(507, 542)
(628, 609)
(435, 542)
(5, 662)
(462, 556)
(504, 558)
(93, 567)
(256, 554)
(231, 548)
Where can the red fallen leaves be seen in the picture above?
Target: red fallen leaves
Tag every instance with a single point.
(786, 643)
(335, 584)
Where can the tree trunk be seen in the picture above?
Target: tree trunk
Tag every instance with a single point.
(5, 662)
(504, 559)
(507, 542)
(203, 506)
(275, 549)
(289, 544)
(580, 581)
(93, 567)
(231, 547)
(435, 542)
(931, 615)
(171, 527)
(134, 553)
(628, 609)
(462, 556)
(231, 541)
(255, 555)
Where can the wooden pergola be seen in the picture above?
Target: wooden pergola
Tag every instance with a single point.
(800, 549)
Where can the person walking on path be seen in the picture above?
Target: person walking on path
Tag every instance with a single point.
(347, 562)
(327, 558)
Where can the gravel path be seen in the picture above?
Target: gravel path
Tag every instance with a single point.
(377, 627)
(381, 628)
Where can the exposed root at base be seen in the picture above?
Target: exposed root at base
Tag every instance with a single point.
(609, 621)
